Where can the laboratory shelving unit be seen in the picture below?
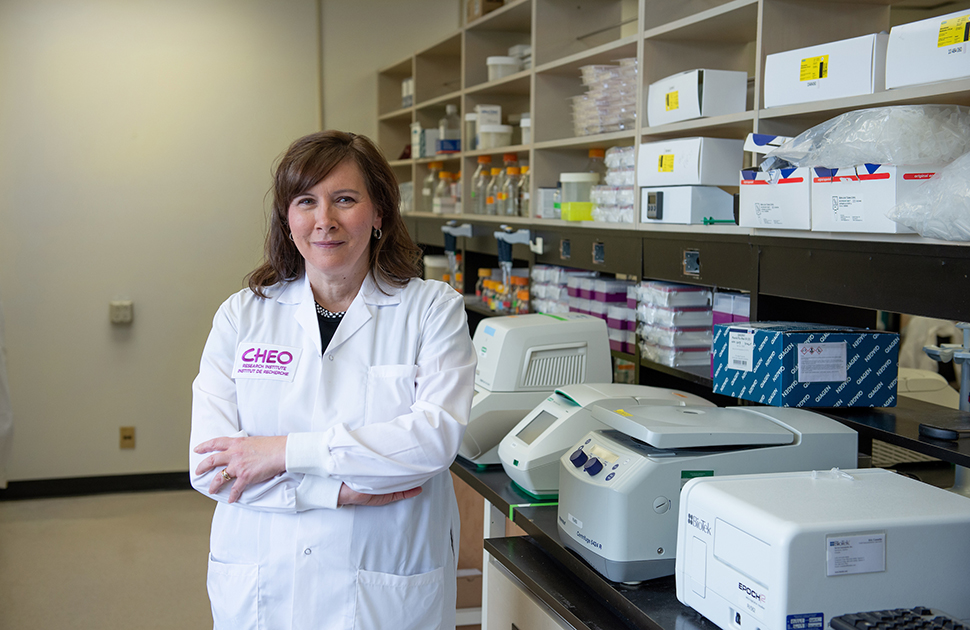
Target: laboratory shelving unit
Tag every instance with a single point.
(837, 278)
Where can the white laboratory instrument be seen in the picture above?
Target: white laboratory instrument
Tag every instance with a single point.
(927, 386)
(521, 360)
(530, 452)
(619, 489)
(793, 550)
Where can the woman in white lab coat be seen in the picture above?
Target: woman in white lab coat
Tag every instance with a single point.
(331, 399)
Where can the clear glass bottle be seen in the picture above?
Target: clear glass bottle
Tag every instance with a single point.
(509, 197)
(456, 192)
(480, 183)
(449, 131)
(443, 202)
(525, 184)
(484, 275)
(491, 192)
(597, 164)
(429, 184)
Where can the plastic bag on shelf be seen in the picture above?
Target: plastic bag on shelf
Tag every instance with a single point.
(902, 135)
(940, 206)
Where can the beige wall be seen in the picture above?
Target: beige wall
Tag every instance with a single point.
(361, 37)
(136, 143)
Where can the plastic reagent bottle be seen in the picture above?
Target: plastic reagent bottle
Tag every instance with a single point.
(429, 185)
(491, 192)
(509, 197)
(443, 202)
(524, 195)
(480, 183)
(597, 163)
(449, 131)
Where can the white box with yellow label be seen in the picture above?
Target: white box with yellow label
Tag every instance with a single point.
(690, 162)
(696, 94)
(849, 67)
(929, 50)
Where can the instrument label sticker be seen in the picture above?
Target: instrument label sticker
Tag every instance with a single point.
(814, 68)
(954, 31)
(672, 100)
(846, 555)
(666, 163)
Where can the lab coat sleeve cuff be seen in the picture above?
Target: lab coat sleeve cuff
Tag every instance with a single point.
(308, 453)
(317, 492)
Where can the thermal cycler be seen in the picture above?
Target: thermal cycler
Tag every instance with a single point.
(521, 360)
(530, 452)
(619, 488)
(790, 551)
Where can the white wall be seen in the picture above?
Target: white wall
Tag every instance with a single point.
(136, 144)
(361, 37)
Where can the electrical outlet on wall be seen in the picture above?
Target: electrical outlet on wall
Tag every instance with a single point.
(127, 437)
(121, 311)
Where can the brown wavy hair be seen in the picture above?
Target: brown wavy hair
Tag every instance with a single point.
(394, 258)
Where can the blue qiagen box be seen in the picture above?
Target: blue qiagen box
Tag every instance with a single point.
(793, 364)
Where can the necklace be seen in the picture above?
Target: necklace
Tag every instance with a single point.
(322, 312)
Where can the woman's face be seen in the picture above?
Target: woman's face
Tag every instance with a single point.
(332, 224)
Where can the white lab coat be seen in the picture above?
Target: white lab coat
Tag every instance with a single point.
(383, 409)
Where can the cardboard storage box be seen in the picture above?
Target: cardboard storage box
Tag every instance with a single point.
(690, 162)
(929, 50)
(696, 94)
(849, 67)
(792, 364)
(776, 199)
(475, 9)
(685, 204)
(857, 200)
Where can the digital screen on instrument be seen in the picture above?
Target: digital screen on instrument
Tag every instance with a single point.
(594, 450)
(535, 428)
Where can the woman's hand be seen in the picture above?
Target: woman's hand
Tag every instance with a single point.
(247, 460)
(352, 497)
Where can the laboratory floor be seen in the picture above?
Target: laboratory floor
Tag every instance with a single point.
(106, 562)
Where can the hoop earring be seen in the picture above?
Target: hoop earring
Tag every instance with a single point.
(291, 237)
(378, 234)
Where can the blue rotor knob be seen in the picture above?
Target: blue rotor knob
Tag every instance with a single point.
(593, 466)
(578, 458)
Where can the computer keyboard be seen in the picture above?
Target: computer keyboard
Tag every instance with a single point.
(918, 618)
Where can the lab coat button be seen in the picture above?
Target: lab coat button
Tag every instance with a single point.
(330, 357)
(307, 551)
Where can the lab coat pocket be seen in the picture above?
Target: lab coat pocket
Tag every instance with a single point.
(402, 602)
(233, 591)
(390, 392)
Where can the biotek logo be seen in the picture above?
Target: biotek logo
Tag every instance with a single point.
(750, 592)
(699, 523)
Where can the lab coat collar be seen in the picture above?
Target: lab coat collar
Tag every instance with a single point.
(362, 309)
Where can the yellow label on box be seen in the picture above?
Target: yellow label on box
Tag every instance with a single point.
(673, 101)
(814, 68)
(666, 163)
(954, 31)
(624, 412)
